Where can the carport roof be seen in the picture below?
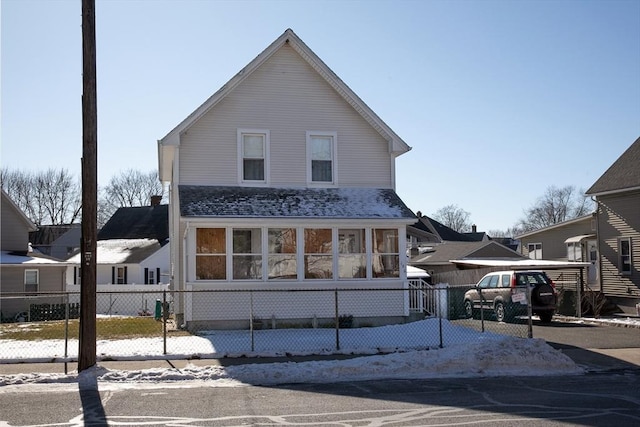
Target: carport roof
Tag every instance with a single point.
(525, 264)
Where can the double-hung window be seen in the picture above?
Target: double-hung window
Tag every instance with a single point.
(31, 280)
(386, 255)
(535, 250)
(211, 259)
(253, 155)
(624, 255)
(282, 254)
(247, 253)
(352, 254)
(321, 157)
(318, 253)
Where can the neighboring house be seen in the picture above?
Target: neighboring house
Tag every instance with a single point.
(132, 254)
(58, 241)
(22, 271)
(617, 193)
(573, 240)
(426, 232)
(284, 179)
(437, 260)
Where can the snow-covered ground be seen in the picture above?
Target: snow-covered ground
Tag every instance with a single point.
(469, 354)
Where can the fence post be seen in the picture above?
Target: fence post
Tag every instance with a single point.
(481, 309)
(578, 299)
(251, 319)
(66, 329)
(529, 312)
(337, 321)
(164, 320)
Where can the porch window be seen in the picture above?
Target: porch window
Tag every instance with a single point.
(247, 254)
(535, 250)
(624, 255)
(253, 149)
(31, 280)
(352, 257)
(211, 259)
(321, 148)
(282, 253)
(386, 256)
(318, 253)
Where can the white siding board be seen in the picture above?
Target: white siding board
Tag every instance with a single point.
(286, 96)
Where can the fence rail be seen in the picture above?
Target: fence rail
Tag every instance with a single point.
(430, 317)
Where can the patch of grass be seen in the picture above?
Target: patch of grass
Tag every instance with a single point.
(106, 329)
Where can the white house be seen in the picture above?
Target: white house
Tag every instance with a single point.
(284, 179)
(132, 261)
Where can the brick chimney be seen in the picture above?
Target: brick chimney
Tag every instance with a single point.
(474, 229)
(155, 200)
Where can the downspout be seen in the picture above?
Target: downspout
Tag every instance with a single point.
(595, 200)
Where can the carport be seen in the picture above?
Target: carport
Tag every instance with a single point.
(529, 264)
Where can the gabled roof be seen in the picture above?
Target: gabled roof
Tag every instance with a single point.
(443, 232)
(122, 251)
(397, 145)
(47, 234)
(321, 203)
(28, 259)
(445, 252)
(584, 218)
(21, 215)
(622, 175)
(142, 222)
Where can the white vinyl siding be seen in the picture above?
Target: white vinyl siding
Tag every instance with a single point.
(288, 97)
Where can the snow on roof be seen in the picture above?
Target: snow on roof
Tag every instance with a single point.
(14, 258)
(216, 201)
(122, 251)
(524, 264)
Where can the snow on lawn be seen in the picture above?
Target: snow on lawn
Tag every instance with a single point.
(416, 354)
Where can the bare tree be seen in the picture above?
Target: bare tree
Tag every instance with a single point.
(555, 206)
(49, 197)
(128, 189)
(454, 217)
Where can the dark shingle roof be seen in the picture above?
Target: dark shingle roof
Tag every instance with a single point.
(623, 174)
(443, 253)
(250, 202)
(143, 222)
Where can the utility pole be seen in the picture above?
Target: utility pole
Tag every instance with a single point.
(87, 341)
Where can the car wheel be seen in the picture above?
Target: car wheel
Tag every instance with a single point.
(468, 309)
(499, 311)
(545, 316)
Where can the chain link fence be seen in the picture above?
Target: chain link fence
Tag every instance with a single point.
(142, 325)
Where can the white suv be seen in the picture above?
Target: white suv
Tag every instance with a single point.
(505, 293)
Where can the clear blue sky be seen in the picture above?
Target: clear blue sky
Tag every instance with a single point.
(499, 99)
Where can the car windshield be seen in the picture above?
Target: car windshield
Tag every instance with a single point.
(531, 278)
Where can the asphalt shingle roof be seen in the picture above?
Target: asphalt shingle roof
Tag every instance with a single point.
(251, 202)
(143, 222)
(622, 174)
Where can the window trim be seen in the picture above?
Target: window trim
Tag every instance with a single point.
(240, 133)
(621, 271)
(529, 249)
(37, 284)
(334, 158)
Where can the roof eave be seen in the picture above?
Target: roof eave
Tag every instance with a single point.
(610, 192)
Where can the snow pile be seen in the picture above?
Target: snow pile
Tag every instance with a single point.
(483, 355)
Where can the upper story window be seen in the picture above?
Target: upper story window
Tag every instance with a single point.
(624, 255)
(321, 157)
(31, 280)
(253, 155)
(535, 250)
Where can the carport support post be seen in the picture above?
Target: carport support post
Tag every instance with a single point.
(579, 296)
(165, 314)
(529, 313)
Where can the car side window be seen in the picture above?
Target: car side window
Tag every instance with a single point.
(505, 281)
(484, 283)
(494, 281)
